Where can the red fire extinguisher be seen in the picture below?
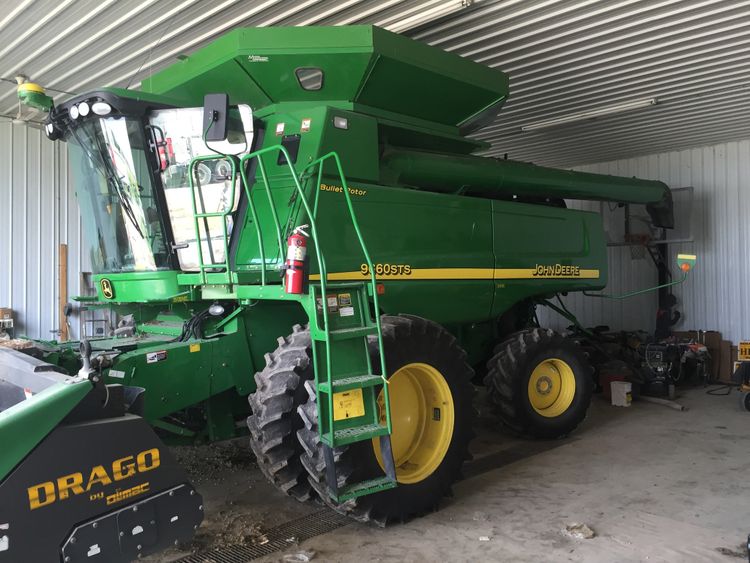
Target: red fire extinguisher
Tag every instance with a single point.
(296, 257)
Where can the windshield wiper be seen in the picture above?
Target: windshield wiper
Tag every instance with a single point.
(112, 179)
(127, 208)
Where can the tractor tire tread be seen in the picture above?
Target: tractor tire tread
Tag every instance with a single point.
(501, 381)
(274, 419)
(362, 509)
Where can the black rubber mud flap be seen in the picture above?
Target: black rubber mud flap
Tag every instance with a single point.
(101, 490)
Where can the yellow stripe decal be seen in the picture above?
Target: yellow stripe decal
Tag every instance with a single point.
(531, 273)
(461, 274)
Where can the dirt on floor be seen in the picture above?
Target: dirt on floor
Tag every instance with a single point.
(644, 483)
(240, 504)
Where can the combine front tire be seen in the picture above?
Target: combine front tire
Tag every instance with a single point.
(540, 383)
(274, 421)
(431, 412)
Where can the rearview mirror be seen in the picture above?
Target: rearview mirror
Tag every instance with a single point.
(215, 112)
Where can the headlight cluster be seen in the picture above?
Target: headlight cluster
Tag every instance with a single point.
(83, 109)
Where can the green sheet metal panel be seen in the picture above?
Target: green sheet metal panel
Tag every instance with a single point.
(432, 252)
(543, 250)
(26, 424)
(138, 287)
(418, 80)
(361, 64)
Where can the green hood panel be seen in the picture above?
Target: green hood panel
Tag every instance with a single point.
(26, 424)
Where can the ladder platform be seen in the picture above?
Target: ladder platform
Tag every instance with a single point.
(355, 382)
(365, 488)
(349, 333)
(356, 434)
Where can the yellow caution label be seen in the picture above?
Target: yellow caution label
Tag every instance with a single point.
(348, 404)
(743, 350)
(195, 348)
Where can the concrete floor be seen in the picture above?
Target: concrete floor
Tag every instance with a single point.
(654, 484)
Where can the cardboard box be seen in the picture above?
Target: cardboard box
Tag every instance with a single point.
(726, 364)
(735, 360)
(686, 334)
(719, 356)
(6, 313)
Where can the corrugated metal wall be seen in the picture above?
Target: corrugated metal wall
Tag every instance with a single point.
(38, 211)
(563, 57)
(717, 294)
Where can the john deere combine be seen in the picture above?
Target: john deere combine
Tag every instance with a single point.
(299, 242)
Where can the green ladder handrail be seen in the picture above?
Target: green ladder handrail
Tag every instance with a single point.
(320, 258)
(314, 236)
(207, 215)
(319, 255)
(264, 176)
(373, 281)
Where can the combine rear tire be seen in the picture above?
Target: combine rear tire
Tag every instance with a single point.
(540, 383)
(274, 421)
(431, 410)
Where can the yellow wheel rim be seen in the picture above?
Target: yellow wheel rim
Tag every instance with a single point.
(422, 415)
(552, 386)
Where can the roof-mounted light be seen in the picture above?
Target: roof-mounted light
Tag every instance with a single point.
(83, 109)
(52, 132)
(73, 111)
(101, 108)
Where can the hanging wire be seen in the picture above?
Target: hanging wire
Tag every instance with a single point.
(148, 55)
(13, 81)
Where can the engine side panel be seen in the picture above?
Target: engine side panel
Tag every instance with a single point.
(542, 250)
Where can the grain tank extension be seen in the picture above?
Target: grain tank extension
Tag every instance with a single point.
(300, 245)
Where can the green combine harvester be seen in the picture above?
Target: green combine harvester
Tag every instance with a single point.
(300, 245)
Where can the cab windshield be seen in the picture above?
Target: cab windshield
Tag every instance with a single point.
(120, 211)
(215, 190)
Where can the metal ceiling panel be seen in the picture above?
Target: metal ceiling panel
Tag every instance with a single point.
(564, 57)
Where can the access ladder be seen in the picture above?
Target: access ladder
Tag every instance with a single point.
(353, 400)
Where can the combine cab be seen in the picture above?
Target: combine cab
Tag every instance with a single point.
(300, 246)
